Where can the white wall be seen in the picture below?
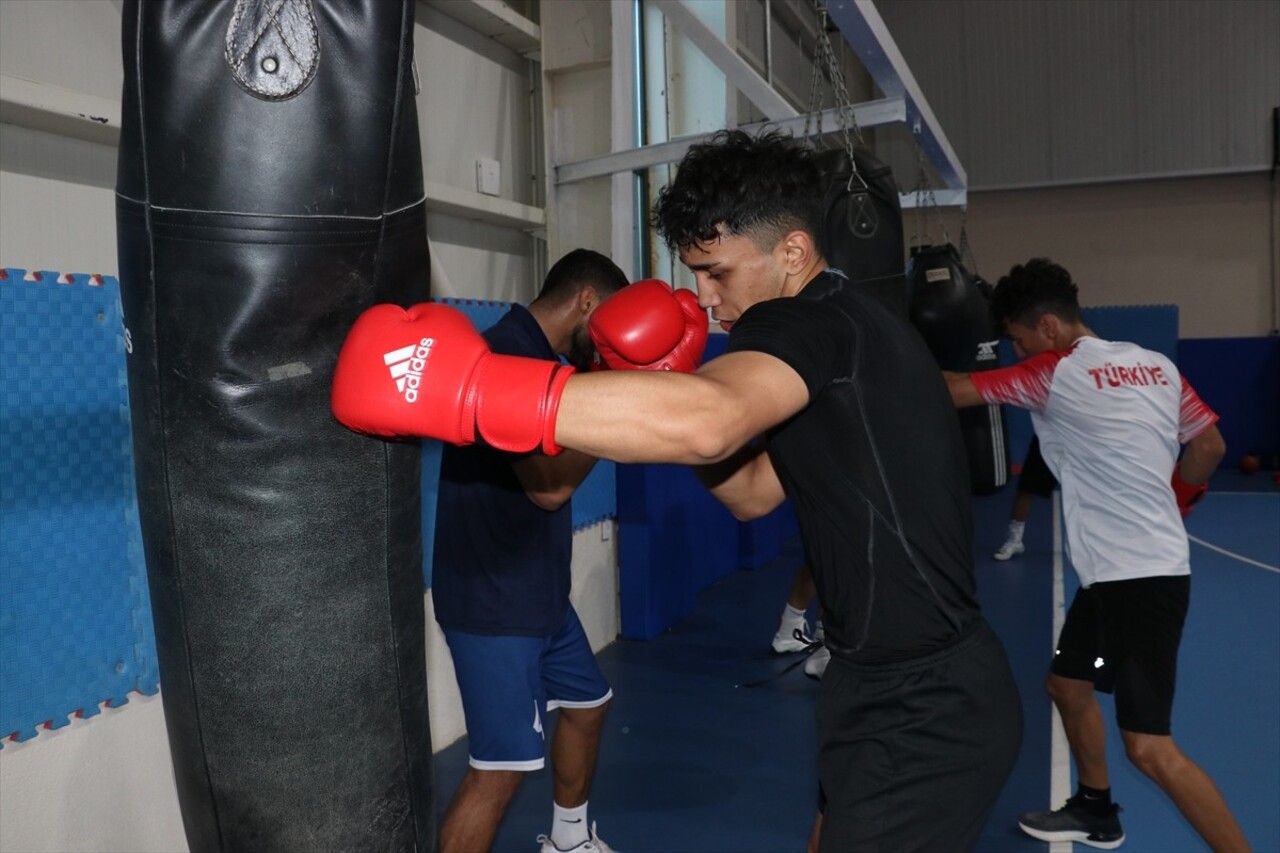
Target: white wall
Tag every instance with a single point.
(105, 783)
(475, 102)
(1198, 243)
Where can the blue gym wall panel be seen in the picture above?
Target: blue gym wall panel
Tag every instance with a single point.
(675, 539)
(75, 617)
(1239, 378)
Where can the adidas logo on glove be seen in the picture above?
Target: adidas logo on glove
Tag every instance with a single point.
(407, 364)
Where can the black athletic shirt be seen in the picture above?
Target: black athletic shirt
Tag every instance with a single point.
(501, 564)
(876, 468)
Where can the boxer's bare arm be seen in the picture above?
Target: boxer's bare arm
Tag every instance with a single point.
(694, 419)
(746, 483)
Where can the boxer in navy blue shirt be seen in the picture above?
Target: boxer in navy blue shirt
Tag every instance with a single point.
(500, 584)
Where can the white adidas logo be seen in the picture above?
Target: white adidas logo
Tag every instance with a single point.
(406, 365)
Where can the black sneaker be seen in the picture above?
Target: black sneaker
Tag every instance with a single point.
(1075, 822)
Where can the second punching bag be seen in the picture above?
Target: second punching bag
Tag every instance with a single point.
(269, 190)
(862, 217)
(950, 308)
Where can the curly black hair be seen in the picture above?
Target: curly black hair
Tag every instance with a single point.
(1033, 289)
(760, 187)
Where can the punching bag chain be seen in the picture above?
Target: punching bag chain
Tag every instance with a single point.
(926, 199)
(824, 59)
(966, 248)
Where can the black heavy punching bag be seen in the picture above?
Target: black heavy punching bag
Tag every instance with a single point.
(270, 189)
(950, 308)
(863, 224)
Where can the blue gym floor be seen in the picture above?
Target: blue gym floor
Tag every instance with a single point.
(690, 761)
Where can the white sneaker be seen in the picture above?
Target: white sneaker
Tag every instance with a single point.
(593, 844)
(817, 663)
(1011, 548)
(785, 640)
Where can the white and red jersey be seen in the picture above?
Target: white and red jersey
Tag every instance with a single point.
(1111, 417)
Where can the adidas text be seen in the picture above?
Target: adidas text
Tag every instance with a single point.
(407, 364)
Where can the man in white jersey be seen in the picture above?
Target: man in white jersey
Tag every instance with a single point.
(1111, 418)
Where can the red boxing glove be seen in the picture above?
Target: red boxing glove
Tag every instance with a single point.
(645, 326)
(1186, 494)
(426, 372)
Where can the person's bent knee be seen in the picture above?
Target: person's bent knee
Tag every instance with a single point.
(1150, 753)
(1068, 691)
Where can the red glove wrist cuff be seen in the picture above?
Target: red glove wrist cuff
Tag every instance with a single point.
(516, 402)
(1186, 494)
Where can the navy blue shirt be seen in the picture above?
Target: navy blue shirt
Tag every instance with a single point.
(876, 468)
(501, 563)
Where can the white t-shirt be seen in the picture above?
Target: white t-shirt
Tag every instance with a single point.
(1111, 417)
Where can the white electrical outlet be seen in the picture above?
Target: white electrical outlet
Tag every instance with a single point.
(488, 176)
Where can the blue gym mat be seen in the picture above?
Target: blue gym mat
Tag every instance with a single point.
(75, 618)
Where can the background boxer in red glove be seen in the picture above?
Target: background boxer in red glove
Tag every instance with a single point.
(861, 435)
(1110, 417)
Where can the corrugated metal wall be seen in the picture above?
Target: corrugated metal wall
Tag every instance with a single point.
(1040, 92)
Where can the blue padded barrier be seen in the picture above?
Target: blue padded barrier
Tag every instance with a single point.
(674, 539)
(75, 616)
(1153, 327)
(1239, 378)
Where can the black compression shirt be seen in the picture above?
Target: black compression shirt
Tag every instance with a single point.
(876, 468)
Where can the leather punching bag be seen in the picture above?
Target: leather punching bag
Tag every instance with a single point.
(863, 224)
(269, 189)
(950, 308)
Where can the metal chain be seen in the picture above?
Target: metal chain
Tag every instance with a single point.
(815, 98)
(926, 199)
(966, 249)
(844, 107)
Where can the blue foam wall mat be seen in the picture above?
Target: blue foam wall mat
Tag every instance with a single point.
(1239, 378)
(675, 539)
(75, 617)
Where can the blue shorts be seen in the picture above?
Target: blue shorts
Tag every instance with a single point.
(509, 683)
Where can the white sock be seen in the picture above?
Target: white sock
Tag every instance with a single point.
(1015, 530)
(569, 826)
(792, 616)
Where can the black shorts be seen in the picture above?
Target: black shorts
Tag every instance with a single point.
(1124, 637)
(1036, 478)
(912, 755)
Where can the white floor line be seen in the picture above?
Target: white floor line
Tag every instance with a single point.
(1060, 751)
(1233, 555)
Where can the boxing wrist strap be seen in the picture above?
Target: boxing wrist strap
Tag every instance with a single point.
(516, 401)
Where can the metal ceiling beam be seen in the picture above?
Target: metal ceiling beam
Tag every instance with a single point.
(867, 114)
(866, 33)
